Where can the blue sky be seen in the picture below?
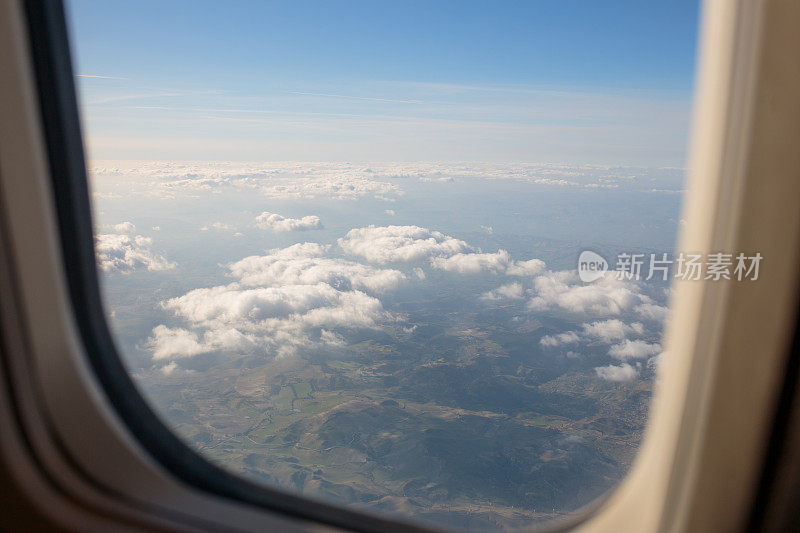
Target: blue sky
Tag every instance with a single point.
(568, 81)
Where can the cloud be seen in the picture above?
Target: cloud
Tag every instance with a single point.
(353, 180)
(606, 297)
(623, 372)
(278, 223)
(606, 331)
(410, 244)
(612, 330)
(219, 225)
(531, 267)
(653, 312)
(472, 263)
(637, 349)
(394, 244)
(254, 309)
(284, 180)
(124, 227)
(276, 304)
(307, 264)
(169, 368)
(511, 291)
(569, 337)
(125, 254)
(390, 212)
(172, 343)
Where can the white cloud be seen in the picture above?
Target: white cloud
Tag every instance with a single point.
(570, 337)
(275, 303)
(170, 343)
(276, 222)
(217, 226)
(623, 372)
(654, 363)
(257, 308)
(636, 349)
(653, 312)
(331, 338)
(123, 253)
(531, 267)
(352, 180)
(390, 212)
(307, 264)
(124, 227)
(177, 343)
(612, 330)
(392, 244)
(472, 263)
(606, 297)
(510, 291)
(284, 180)
(606, 331)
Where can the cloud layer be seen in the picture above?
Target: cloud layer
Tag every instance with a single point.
(288, 298)
(305, 296)
(609, 302)
(118, 252)
(350, 181)
(414, 244)
(277, 223)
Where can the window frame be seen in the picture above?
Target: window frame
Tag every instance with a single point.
(56, 344)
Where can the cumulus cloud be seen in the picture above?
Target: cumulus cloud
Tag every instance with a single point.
(606, 297)
(219, 226)
(172, 343)
(570, 337)
(350, 180)
(634, 349)
(653, 312)
(612, 330)
(332, 181)
(471, 263)
(307, 264)
(531, 267)
(124, 227)
(276, 222)
(275, 305)
(169, 368)
(254, 309)
(623, 372)
(605, 331)
(395, 244)
(511, 291)
(126, 253)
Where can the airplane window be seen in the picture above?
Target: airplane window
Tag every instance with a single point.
(411, 258)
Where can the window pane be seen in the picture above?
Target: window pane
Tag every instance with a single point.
(354, 250)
